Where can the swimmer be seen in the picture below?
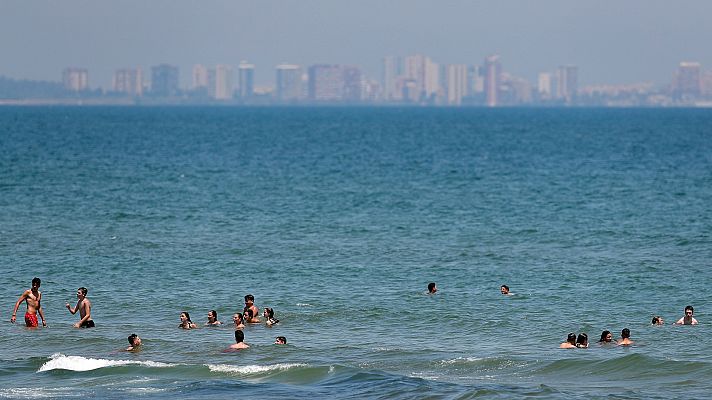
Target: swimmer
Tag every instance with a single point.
(269, 316)
(625, 338)
(432, 289)
(185, 321)
(582, 341)
(249, 317)
(504, 289)
(606, 337)
(213, 319)
(237, 319)
(280, 340)
(688, 319)
(134, 342)
(33, 299)
(657, 320)
(570, 342)
(250, 303)
(239, 341)
(84, 308)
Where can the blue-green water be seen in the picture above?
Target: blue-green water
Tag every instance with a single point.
(338, 219)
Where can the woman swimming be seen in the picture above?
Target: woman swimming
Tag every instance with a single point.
(269, 316)
(185, 321)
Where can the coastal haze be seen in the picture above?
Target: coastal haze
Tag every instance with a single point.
(632, 45)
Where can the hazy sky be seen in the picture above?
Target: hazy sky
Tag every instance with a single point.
(612, 41)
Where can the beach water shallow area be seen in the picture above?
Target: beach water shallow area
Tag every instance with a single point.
(338, 218)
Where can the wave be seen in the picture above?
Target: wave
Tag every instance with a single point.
(79, 363)
(251, 369)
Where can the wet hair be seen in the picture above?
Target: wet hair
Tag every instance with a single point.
(656, 320)
(625, 333)
(239, 336)
(690, 308)
(187, 316)
(215, 314)
(250, 298)
(282, 339)
(571, 338)
(431, 286)
(582, 339)
(270, 312)
(83, 290)
(248, 313)
(36, 280)
(239, 315)
(603, 336)
(131, 338)
(505, 287)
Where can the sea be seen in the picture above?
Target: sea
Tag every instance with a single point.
(338, 218)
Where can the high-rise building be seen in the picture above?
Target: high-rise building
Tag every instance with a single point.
(164, 80)
(75, 79)
(688, 80)
(456, 83)
(246, 80)
(492, 81)
(128, 81)
(224, 82)
(288, 82)
(392, 70)
(567, 83)
(544, 86)
(353, 84)
(424, 73)
(335, 83)
(200, 77)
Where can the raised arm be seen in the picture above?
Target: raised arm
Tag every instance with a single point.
(75, 309)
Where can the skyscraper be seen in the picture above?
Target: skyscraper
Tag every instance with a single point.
(246, 80)
(335, 83)
(224, 82)
(544, 86)
(567, 85)
(353, 84)
(392, 69)
(688, 79)
(200, 77)
(75, 79)
(424, 73)
(128, 81)
(164, 80)
(493, 72)
(288, 82)
(456, 88)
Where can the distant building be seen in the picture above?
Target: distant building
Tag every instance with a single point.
(164, 80)
(288, 82)
(128, 81)
(688, 80)
(424, 73)
(334, 83)
(200, 77)
(567, 85)
(224, 82)
(392, 69)
(456, 88)
(492, 81)
(246, 80)
(544, 86)
(75, 79)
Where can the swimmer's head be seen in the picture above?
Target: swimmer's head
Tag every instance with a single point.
(504, 289)
(36, 282)
(625, 333)
(432, 288)
(249, 299)
(280, 340)
(571, 338)
(82, 292)
(185, 317)
(239, 336)
(606, 336)
(268, 313)
(657, 320)
(134, 340)
(237, 318)
(689, 310)
(213, 315)
(249, 314)
(582, 339)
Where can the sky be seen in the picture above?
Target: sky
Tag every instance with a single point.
(611, 41)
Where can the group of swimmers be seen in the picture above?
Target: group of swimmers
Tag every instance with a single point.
(250, 315)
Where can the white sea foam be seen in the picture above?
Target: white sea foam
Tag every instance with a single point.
(303, 305)
(461, 360)
(38, 393)
(79, 363)
(251, 369)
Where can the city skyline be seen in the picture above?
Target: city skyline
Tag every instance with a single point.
(613, 43)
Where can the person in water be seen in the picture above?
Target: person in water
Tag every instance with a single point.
(432, 289)
(213, 319)
(134, 342)
(606, 337)
(625, 338)
(269, 316)
(280, 340)
(84, 308)
(237, 319)
(582, 341)
(504, 289)
(249, 317)
(185, 321)
(688, 319)
(33, 299)
(570, 342)
(239, 341)
(250, 304)
(657, 320)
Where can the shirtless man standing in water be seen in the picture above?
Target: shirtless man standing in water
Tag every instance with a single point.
(33, 298)
(84, 308)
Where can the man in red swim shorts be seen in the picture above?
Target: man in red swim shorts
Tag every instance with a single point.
(33, 298)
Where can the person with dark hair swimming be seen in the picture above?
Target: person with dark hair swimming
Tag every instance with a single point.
(269, 316)
(657, 320)
(280, 340)
(688, 319)
(237, 319)
(582, 341)
(504, 289)
(33, 299)
(606, 337)
(134, 342)
(570, 342)
(432, 289)
(249, 317)
(239, 341)
(213, 319)
(625, 338)
(250, 304)
(185, 321)
(84, 308)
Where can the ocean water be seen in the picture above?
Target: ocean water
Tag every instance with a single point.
(338, 218)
